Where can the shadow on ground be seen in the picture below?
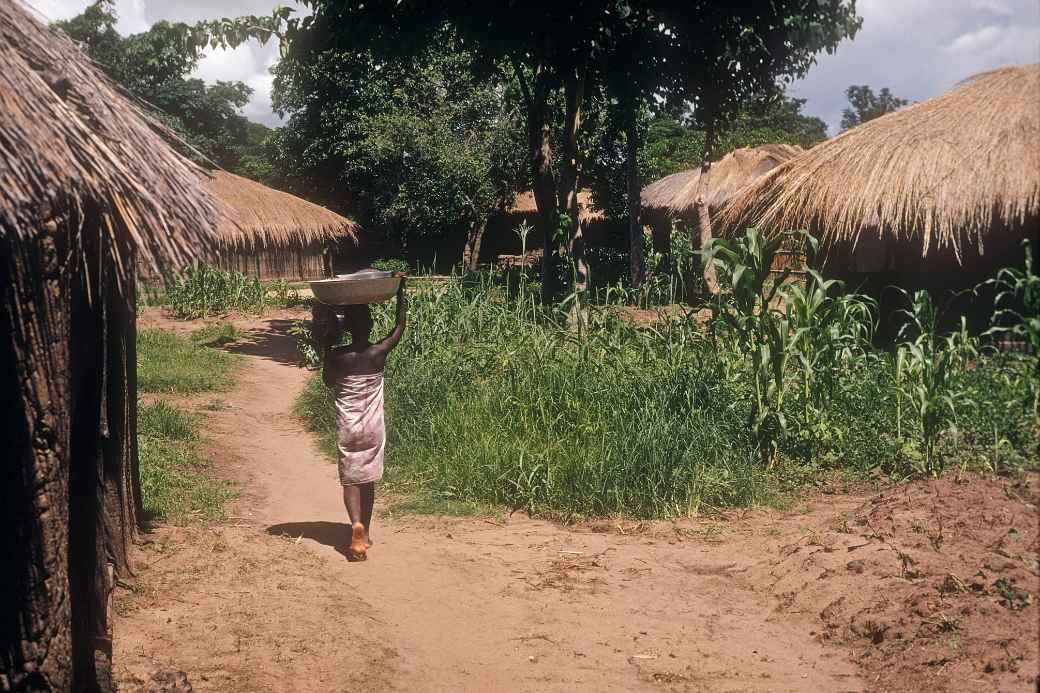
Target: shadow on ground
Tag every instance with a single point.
(334, 534)
(272, 341)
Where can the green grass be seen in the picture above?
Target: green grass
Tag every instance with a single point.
(175, 483)
(215, 334)
(170, 363)
(491, 401)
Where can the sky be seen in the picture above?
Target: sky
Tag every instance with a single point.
(917, 48)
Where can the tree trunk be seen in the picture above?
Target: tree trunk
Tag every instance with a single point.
(636, 263)
(539, 151)
(711, 282)
(471, 254)
(574, 93)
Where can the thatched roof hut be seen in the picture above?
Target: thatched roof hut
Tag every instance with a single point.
(943, 190)
(87, 189)
(677, 193)
(673, 197)
(524, 204)
(275, 235)
(262, 217)
(500, 239)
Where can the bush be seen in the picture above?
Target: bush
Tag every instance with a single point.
(202, 291)
(392, 265)
(492, 398)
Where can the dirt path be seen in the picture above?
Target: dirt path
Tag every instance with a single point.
(524, 605)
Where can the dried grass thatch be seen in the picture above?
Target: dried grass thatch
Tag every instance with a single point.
(939, 174)
(261, 218)
(524, 203)
(677, 193)
(72, 144)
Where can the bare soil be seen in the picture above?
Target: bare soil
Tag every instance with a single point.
(923, 586)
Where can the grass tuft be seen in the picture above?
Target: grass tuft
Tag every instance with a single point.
(175, 485)
(170, 363)
(215, 334)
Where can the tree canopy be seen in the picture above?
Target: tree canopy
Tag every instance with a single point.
(154, 66)
(417, 146)
(706, 56)
(866, 105)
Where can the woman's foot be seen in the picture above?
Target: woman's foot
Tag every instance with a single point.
(358, 544)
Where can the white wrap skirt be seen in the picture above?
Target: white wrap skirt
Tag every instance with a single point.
(360, 429)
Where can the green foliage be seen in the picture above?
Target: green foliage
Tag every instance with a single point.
(928, 365)
(392, 265)
(281, 294)
(308, 350)
(170, 363)
(1017, 316)
(154, 66)
(203, 290)
(762, 334)
(316, 405)
(673, 146)
(492, 398)
(215, 334)
(426, 149)
(175, 485)
(866, 105)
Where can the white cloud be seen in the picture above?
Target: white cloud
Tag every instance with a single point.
(921, 48)
(249, 63)
(917, 48)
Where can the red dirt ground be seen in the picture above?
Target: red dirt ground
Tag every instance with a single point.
(927, 586)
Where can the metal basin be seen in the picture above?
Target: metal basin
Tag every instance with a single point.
(366, 286)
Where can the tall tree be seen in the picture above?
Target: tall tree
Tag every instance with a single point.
(422, 149)
(548, 49)
(154, 66)
(727, 55)
(866, 105)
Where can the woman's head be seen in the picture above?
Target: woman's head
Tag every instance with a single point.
(357, 321)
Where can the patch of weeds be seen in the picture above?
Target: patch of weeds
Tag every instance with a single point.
(944, 623)
(1011, 595)
(215, 405)
(175, 484)
(316, 406)
(431, 505)
(170, 363)
(215, 334)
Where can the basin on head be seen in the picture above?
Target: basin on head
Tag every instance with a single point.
(366, 286)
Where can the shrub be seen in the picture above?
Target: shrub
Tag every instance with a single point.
(492, 397)
(392, 265)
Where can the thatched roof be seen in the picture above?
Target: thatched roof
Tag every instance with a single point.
(260, 217)
(70, 142)
(524, 203)
(943, 172)
(677, 193)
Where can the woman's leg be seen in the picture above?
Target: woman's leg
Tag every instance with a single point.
(352, 499)
(368, 500)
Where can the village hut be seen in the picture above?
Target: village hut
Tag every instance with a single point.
(674, 197)
(938, 195)
(274, 235)
(502, 245)
(87, 191)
